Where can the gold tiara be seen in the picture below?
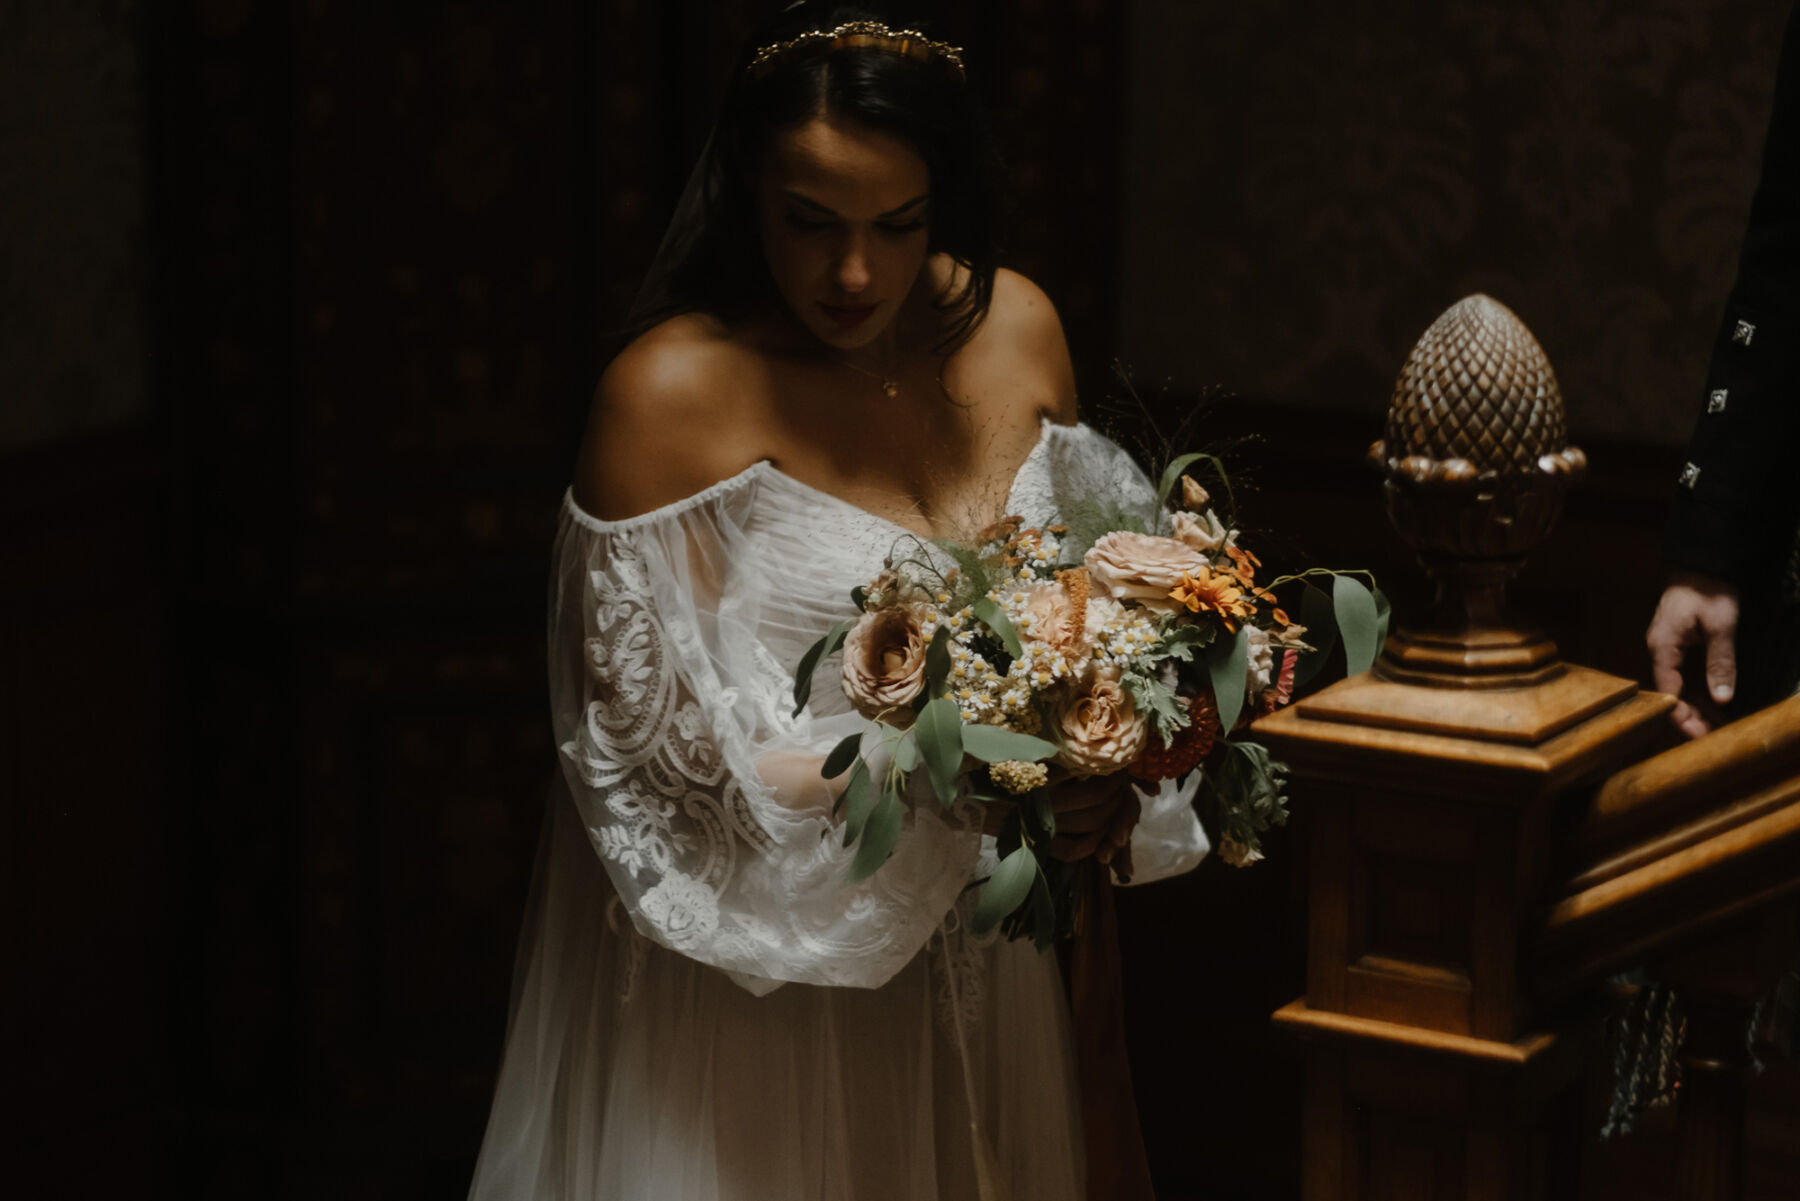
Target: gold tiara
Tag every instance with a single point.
(860, 35)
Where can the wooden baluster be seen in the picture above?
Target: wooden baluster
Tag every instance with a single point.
(1719, 981)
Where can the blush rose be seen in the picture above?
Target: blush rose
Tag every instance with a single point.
(884, 660)
(1102, 731)
(1143, 568)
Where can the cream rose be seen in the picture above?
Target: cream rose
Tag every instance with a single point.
(1202, 531)
(1102, 731)
(884, 660)
(1259, 659)
(1142, 568)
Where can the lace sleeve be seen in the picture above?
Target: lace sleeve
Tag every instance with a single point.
(698, 788)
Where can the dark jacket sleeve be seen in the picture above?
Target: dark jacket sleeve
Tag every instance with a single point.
(1738, 500)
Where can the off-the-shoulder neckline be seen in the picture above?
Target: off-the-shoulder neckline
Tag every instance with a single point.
(758, 470)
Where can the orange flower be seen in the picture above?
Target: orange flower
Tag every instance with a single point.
(1005, 528)
(1212, 591)
(1246, 562)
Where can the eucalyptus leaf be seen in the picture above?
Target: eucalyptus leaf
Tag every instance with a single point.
(878, 838)
(1321, 631)
(857, 799)
(938, 733)
(841, 757)
(1358, 621)
(937, 662)
(1383, 611)
(809, 662)
(991, 744)
(1005, 890)
(1226, 663)
(989, 614)
(903, 749)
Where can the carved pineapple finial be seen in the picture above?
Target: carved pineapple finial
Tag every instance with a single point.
(1476, 461)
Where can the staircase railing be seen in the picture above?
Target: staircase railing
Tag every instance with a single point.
(1483, 854)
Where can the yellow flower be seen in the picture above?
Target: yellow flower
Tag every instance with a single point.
(1207, 591)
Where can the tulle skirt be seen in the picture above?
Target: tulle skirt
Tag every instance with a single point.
(632, 1073)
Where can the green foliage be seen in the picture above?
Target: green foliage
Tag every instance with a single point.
(937, 662)
(1359, 621)
(1226, 663)
(1005, 890)
(879, 836)
(1321, 627)
(858, 798)
(991, 616)
(809, 662)
(841, 757)
(1157, 702)
(1171, 476)
(938, 732)
(1179, 642)
(975, 578)
(1249, 790)
(992, 744)
(901, 747)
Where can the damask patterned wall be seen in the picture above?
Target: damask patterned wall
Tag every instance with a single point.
(71, 219)
(1308, 184)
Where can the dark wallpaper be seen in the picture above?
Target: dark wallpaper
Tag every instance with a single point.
(1308, 185)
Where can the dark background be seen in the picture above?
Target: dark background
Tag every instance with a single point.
(300, 305)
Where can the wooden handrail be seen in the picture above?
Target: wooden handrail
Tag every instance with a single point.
(1679, 793)
(1675, 845)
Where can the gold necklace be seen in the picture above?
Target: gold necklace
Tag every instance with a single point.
(889, 383)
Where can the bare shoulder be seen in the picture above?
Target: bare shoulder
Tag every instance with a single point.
(1021, 344)
(639, 452)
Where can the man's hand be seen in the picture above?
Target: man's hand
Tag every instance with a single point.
(1696, 612)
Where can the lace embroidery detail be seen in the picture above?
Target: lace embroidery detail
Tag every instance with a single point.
(961, 985)
(668, 813)
(649, 754)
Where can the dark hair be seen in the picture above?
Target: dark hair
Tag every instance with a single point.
(721, 269)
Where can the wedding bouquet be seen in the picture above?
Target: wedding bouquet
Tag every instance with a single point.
(1091, 648)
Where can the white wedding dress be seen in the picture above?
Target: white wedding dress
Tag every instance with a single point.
(703, 1008)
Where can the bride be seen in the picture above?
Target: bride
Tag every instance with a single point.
(831, 363)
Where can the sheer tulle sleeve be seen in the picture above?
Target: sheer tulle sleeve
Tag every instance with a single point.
(672, 642)
(1086, 466)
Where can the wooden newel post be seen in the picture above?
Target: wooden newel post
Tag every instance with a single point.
(1430, 784)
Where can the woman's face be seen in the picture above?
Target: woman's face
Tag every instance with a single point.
(843, 211)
